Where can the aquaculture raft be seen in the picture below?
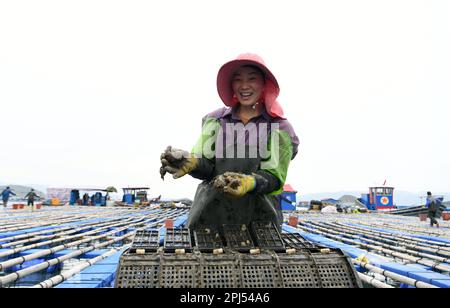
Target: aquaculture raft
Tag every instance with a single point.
(71, 246)
(78, 246)
(387, 250)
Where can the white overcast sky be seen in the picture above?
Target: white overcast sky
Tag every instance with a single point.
(91, 92)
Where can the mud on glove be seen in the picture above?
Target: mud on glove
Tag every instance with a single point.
(235, 184)
(177, 162)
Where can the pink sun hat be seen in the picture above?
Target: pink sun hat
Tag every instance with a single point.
(271, 89)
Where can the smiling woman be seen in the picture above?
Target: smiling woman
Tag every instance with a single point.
(248, 86)
(243, 153)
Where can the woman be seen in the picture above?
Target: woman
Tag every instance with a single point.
(243, 153)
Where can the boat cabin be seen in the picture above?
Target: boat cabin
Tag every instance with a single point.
(134, 194)
(379, 198)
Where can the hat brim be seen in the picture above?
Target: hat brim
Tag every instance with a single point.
(225, 75)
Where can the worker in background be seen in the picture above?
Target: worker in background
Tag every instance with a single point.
(433, 209)
(85, 199)
(31, 197)
(243, 153)
(6, 193)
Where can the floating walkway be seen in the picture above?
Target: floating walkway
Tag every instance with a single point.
(397, 251)
(80, 247)
(72, 246)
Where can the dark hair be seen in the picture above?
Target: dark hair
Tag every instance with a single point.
(429, 193)
(256, 68)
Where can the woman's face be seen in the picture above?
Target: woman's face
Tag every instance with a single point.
(248, 85)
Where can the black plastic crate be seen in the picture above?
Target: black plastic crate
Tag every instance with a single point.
(147, 240)
(177, 239)
(179, 271)
(206, 240)
(219, 271)
(295, 240)
(308, 268)
(298, 270)
(138, 271)
(238, 237)
(267, 236)
(260, 271)
(311, 268)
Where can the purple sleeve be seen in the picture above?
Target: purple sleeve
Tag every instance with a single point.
(287, 127)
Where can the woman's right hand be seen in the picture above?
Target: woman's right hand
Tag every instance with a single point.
(177, 162)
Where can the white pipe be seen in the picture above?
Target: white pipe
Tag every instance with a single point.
(394, 276)
(374, 282)
(41, 266)
(55, 280)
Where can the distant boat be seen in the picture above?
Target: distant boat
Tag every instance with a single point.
(415, 210)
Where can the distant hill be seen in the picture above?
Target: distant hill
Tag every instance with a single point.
(400, 197)
(21, 191)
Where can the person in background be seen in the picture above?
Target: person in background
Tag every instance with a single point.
(5, 195)
(433, 209)
(85, 199)
(31, 197)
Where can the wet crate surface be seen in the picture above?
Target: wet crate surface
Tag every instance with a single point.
(294, 240)
(207, 240)
(147, 240)
(267, 236)
(177, 239)
(238, 237)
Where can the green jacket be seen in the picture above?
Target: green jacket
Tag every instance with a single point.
(263, 147)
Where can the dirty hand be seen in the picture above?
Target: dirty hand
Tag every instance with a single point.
(235, 184)
(177, 162)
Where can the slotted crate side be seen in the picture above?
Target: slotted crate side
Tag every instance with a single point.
(299, 271)
(336, 270)
(219, 271)
(300, 275)
(133, 276)
(307, 268)
(179, 275)
(335, 276)
(138, 272)
(260, 271)
(179, 271)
